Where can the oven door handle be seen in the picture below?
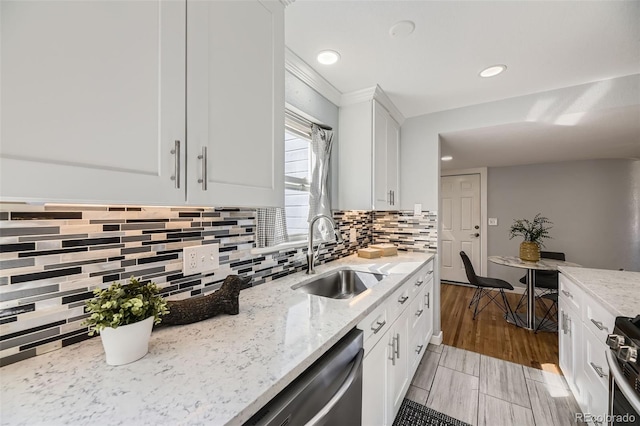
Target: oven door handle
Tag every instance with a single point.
(616, 375)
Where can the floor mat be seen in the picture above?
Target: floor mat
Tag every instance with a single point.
(413, 414)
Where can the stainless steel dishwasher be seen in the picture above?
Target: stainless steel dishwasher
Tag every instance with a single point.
(327, 393)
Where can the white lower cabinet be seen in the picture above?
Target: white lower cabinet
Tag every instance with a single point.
(584, 326)
(392, 354)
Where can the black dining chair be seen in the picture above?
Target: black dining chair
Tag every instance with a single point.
(546, 281)
(484, 287)
(549, 320)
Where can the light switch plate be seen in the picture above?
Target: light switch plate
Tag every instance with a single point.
(200, 259)
(493, 221)
(417, 209)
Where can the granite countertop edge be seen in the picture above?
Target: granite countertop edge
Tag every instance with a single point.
(218, 371)
(617, 291)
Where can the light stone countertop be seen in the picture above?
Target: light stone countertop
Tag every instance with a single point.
(214, 372)
(617, 291)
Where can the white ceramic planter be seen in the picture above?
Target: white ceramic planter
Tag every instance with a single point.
(127, 343)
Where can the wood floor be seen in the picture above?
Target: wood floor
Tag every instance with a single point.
(489, 334)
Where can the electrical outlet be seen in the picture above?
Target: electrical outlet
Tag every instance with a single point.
(493, 221)
(200, 259)
(353, 235)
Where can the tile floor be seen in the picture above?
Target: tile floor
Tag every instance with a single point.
(486, 391)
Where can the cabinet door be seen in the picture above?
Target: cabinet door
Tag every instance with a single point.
(393, 155)
(569, 335)
(92, 99)
(428, 311)
(375, 385)
(235, 103)
(381, 191)
(399, 373)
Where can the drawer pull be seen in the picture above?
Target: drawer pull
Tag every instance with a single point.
(598, 370)
(419, 283)
(566, 293)
(403, 299)
(379, 326)
(419, 312)
(419, 349)
(599, 324)
(430, 272)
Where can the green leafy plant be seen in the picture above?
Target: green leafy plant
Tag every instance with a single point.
(533, 231)
(124, 304)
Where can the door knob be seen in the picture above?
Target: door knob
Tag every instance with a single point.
(475, 235)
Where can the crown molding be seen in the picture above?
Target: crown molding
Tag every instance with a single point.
(310, 77)
(370, 93)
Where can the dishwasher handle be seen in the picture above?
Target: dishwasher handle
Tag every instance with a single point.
(355, 369)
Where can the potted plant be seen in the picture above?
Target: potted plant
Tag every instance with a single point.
(124, 315)
(533, 233)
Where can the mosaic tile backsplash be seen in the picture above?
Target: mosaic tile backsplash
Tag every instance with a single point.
(52, 257)
(406, 230)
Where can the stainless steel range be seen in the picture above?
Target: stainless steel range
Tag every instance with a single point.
(624, 368)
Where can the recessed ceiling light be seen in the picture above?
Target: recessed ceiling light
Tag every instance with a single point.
(328, 57)
(493, 70)
(402, 29)
(446, 158)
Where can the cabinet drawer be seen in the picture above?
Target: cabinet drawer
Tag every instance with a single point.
(421, 278)
(400, 300)
(597, 319)
(417, 311)
(571, 293)
(594, 359)
(374, 326)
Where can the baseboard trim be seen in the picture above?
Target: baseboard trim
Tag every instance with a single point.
(436, 339)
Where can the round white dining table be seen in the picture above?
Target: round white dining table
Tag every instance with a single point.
(529, 319)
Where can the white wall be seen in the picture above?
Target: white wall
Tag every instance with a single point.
(594, 206)
(419, 145)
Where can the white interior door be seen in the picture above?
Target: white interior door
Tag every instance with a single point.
(460, 225)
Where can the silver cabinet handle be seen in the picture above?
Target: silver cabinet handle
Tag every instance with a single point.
(389, 197)
(598, 370)
(428, 300)
(564, 323)
(379, 326)
(419, 349)
(176, 163)
(203, 157)
(599, 324)
(393, 198)
(403, 299)
(393, 357)
(430, 272)
(418, 313)
(419, 283)
(398, 345)
(566, 293)
(320, 418)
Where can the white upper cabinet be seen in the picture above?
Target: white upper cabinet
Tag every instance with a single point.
(235, 103)
(99, 98)
(92, 101)
(369, 139)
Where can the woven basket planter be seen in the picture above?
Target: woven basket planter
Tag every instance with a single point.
(529, 252)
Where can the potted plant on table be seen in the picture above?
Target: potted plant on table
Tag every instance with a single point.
(533, 233)
(124, 315)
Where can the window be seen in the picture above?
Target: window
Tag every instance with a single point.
(298, 167)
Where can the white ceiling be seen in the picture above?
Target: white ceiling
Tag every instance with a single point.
(545, 44)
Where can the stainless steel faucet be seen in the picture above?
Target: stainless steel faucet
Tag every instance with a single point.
(310, 255)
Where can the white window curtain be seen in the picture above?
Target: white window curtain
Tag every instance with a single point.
(272, 222)
(319, 203)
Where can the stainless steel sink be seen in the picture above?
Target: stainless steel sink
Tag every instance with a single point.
(342, 284)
